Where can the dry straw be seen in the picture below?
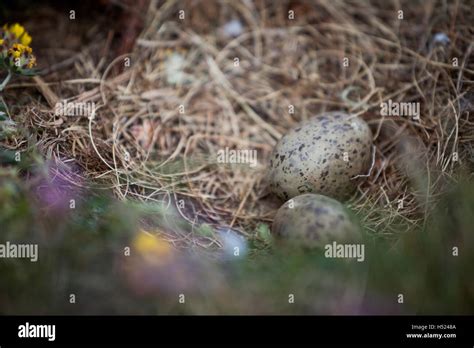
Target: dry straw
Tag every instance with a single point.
(142, 147)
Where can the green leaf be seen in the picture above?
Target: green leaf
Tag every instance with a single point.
(3, 111)
(263, 232)
(27, 72)
(205, 230)
(7, 157)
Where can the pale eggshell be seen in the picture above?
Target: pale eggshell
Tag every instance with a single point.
(322, 155)
(313, 220)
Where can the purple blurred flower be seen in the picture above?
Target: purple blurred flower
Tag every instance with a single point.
(59, 188)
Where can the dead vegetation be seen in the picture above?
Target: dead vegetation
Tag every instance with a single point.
(160, 121)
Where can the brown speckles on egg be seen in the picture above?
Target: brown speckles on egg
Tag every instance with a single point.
(313, 220)
(310, 157)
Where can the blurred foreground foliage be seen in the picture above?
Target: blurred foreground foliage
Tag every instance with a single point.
(82, 252)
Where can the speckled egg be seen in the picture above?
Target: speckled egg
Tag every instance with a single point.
(313, 220)
(322, 155)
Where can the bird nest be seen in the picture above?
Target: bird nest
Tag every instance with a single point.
(208, 76)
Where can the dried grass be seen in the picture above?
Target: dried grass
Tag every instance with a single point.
(282, 62)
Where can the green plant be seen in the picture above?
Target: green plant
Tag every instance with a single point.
(16, 57)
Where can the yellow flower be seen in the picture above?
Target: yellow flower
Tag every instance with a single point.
(18, 49)
(147, 244)
(32, 62)
(25, 39)
(14, 52)
(16, 29)
(19, 32)
(15, 43)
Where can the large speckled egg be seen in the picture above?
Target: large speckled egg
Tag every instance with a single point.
(322, 155)
(313, 220)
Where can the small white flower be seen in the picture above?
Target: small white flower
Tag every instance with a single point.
(441, 38)
(233, 28)
(174, 70)
(233, 244)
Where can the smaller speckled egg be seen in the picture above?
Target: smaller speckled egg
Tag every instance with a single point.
(322, 155)
(313, 220)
